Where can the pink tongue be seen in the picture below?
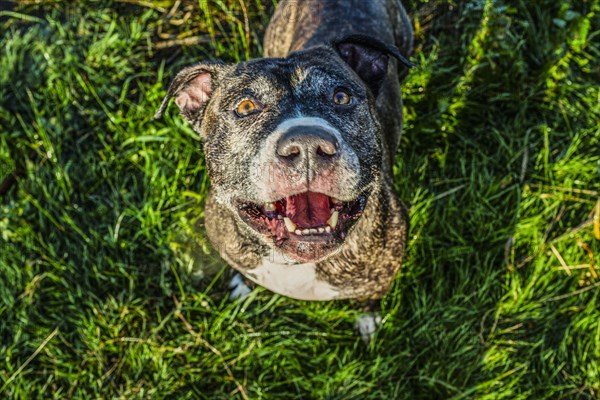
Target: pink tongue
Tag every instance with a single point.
(308, 210)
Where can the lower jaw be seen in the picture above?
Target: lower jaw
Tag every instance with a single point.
(307, 248)
(308, 251)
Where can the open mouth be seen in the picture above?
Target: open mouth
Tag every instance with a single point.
(306, 217)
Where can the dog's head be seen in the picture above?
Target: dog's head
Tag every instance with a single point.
(293, 145)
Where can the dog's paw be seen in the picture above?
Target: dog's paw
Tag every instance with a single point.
(238, 287)
(367, 325)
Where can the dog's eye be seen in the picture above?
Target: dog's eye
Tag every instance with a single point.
(342, 97)
(246, 108)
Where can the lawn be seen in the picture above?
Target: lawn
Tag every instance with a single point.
(109, 288)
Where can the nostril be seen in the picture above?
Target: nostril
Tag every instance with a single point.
(326, 149)
(290, 151)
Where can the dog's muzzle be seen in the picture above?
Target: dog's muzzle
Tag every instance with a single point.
(309, 195)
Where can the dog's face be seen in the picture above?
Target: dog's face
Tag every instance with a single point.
(293, 145)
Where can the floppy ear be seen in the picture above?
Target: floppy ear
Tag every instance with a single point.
(369, 58)
(192, 88)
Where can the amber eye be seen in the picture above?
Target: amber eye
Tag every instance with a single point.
(245, 108)
(342, 98)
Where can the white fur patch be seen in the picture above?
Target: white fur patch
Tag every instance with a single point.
(307, 121)
(367, 326)
(298, 281)
(239, 289)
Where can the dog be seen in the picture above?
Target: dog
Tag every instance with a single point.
(300, 146)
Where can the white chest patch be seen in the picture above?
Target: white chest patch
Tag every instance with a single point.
(298, 281)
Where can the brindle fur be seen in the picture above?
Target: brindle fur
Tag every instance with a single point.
(300, 36)
(298, 25)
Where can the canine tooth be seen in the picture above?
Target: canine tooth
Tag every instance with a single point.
(291, 226)
(298, 232)
(270, 207)
(321, 230)
(333, 220)
(328, 229)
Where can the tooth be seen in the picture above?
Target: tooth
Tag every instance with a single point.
(314, 231)
(328, 229)
(298, 232)
(333, 220)
(321, 230)
(306, 232)
(279, 217)
(270, 207)
(291, 227)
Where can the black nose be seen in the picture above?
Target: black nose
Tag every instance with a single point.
(307, 143)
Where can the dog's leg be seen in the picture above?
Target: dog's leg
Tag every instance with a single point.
(240, 287)
(368, 323)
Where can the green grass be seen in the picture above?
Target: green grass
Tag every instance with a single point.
(499, 163)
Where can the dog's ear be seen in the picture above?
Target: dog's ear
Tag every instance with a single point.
(369, 58)
(192, 88)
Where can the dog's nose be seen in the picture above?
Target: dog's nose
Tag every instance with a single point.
(307, 143)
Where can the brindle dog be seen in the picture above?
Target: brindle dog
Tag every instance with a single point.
(300, 146)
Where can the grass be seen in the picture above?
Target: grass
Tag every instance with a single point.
(499, 163)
